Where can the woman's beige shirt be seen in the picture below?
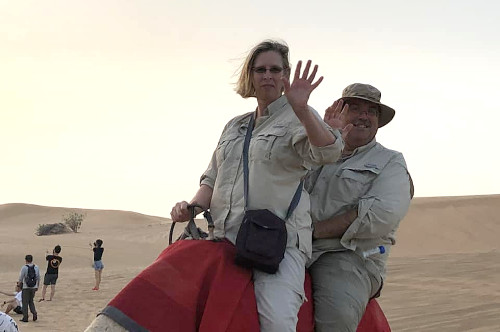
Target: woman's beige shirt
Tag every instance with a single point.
(280, 155)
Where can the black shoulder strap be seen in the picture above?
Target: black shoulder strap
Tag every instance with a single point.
(246, 144)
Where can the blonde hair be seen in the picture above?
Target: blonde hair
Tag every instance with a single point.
(244, 86)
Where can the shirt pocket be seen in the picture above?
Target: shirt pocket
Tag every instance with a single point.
(354, 182)
(225, 148)
(270, 145)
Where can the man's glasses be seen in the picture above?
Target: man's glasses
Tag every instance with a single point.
(371, 111)
(263, 69)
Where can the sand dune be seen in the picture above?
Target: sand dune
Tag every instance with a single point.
(443, 272)
(442, 225)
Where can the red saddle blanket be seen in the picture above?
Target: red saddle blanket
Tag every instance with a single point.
(195, 286)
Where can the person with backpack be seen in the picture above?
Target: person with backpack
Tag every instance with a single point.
(29, 278)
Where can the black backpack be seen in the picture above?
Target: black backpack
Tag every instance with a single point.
(30, 276)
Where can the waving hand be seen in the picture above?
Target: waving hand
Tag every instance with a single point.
(335, 117)
(300, 89)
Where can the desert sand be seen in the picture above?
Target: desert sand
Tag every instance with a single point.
(443, 273)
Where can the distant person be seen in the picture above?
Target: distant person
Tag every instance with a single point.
(15, 303)
(357, 203)
(98, 265)
(30, 279)
(52, 273)
(7, 323)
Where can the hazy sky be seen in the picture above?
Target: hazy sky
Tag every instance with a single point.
(119, 104)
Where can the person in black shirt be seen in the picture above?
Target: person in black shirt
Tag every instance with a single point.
(98, 265)
(53, 262)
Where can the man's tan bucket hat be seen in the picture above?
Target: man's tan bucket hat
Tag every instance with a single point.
(371, 94)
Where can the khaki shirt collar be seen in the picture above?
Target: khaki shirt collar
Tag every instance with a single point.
(361, 149)
(277, 105)
(272, 109)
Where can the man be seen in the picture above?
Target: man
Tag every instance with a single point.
(15, 303)
(356, 206)
(50, 278)
(30, 279)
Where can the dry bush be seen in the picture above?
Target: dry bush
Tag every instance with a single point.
(49, 229)
(74, 220)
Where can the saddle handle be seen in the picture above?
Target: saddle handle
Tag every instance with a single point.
(191, 226)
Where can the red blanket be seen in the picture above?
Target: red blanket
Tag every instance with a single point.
(195, 286)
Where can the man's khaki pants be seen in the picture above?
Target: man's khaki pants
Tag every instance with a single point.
(342, 288)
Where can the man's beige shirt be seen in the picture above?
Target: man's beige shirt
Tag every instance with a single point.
(280, 155)
(375, 181)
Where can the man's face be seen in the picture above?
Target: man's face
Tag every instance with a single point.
(364, 116)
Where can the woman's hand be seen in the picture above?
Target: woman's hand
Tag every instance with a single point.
(299, 91)
(335, 117)
(180, 212)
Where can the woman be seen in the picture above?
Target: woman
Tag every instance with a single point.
(287, 140)
(97, 265)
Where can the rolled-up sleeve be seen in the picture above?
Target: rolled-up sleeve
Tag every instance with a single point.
(317, 155)
(209, 176)
(384, 205)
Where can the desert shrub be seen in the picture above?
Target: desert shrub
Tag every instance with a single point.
(49, 229)
(74, 220)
